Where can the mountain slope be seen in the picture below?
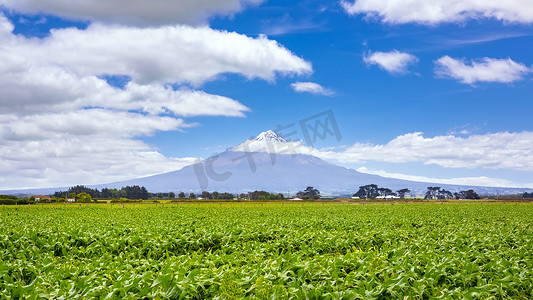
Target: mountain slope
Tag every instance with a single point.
(269, 162)
(232, 171)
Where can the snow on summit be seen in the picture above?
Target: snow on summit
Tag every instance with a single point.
(270, 136)
(271, 142)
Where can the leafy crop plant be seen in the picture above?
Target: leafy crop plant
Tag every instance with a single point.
(413, 251)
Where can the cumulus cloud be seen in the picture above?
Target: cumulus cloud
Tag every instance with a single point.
(52, 89)
(502, 150)
(394, 62)
(311, 87)
(133, 12)
(469, 181)
(441, 11)
(62, 123)
(86, 122)
(178, 54)
(80, 159)
(86, 146)
(481, 70)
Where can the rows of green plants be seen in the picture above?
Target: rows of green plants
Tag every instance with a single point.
(418, 251)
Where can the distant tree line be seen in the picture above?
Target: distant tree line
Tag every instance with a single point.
(216, 195)
(170, 195)
(255, 195)
(436, 192)
(527, 195)
(128, 192)
(13, 200)
(137, 192)
(262, 195)
(309, 193)
(372, 191)
(470, 194)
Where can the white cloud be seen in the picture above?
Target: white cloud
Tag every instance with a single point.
(177, 54)
(394, 62)
(468, 181)
(502, 150)
(135, 12)
(52, 89)
(288, 24)
(481, 70)
(6, 27)
(441, 11)
(62, 124)
(311, 87)
(86, 122)
(80, 160)
(86, 146)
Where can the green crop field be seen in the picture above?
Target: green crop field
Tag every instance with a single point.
(268, 251)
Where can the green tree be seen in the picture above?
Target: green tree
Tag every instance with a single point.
(135, 192)
(402, 193)
(435, 192)
(181, 195)
(385, 192)
(469, 194)
(116, 194)
(192, 196)
(261, 195)
(83, 189)
(83, 197)
(171, 195)
(444, 194)
(309, 192)
(432, 192)
(369, 191)
(105, 193)
(226, 196)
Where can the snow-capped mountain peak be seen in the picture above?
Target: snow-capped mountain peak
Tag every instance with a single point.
(271, 142)
(270, 136)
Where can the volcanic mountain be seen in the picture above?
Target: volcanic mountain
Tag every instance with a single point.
(269, 162)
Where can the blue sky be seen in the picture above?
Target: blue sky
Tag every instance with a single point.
(416, 94)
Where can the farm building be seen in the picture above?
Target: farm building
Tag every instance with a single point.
(42, 197)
